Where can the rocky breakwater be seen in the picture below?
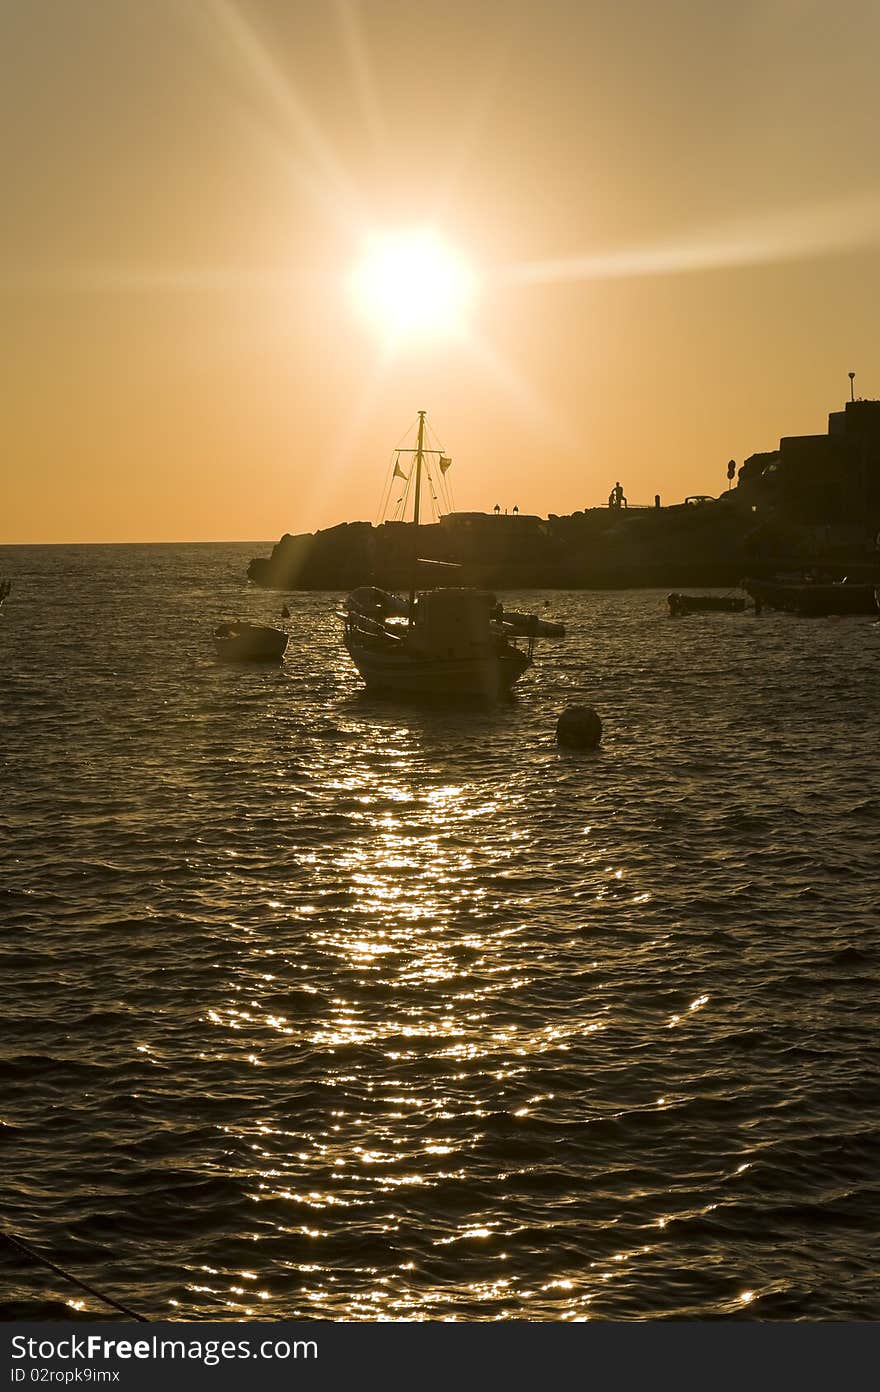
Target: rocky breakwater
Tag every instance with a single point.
(691, 544)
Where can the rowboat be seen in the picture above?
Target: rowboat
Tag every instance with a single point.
(244, 642)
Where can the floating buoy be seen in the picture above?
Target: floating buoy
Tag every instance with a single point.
(579, 727)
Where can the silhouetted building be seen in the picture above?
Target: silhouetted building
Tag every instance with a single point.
(821, 479)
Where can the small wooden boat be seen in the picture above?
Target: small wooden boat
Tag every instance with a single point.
(243, 642)
(704, 604)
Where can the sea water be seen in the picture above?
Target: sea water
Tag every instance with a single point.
(321, 1006)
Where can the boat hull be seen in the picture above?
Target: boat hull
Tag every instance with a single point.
(250, 643)
(486, 678)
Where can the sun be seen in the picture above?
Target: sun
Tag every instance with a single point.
(412, 284)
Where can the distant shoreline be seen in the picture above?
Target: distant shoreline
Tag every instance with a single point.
(247, 541)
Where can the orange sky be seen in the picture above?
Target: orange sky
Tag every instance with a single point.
(672, 208)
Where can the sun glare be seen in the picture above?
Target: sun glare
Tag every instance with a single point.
(412, 284)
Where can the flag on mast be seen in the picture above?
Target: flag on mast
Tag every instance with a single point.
(398, 472)
(445, 463)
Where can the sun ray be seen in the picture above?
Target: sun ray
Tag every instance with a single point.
(279, 108)
(822, 230)
(521, 394)
(354, 43)
(476, 105)
(136, 279)
(340, 455)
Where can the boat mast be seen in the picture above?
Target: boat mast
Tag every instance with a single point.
(419, 453)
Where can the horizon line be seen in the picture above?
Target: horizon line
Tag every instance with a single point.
(178, 541)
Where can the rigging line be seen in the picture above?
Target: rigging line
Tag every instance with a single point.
(432, 439)
(386, 489)
(445, 483)
(446, 489)
(430, 429)
(410, 488)
(441, 507)
(386, 492)
(405, 497)
(406, 434)
(68, 1276)
(429, 476)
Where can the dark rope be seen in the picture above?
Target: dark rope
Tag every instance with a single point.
(59, 1270)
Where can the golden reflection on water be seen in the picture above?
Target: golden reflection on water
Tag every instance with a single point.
(418, 917)
(407, 1015)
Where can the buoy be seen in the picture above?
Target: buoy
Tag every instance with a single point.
(579, 727)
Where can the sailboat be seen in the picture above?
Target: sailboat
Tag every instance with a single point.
(442, 643)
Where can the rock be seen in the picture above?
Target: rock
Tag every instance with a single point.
(579, 727)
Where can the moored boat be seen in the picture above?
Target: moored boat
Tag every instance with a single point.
(440, 644)
(450, 649)
(244, 642)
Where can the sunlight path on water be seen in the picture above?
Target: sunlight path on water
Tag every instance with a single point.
(326, 1007)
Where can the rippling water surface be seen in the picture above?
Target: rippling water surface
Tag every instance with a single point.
(318, 1006)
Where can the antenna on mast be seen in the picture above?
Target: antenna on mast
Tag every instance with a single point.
(852, 390)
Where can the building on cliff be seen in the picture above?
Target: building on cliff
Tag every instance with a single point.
(821, 480)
